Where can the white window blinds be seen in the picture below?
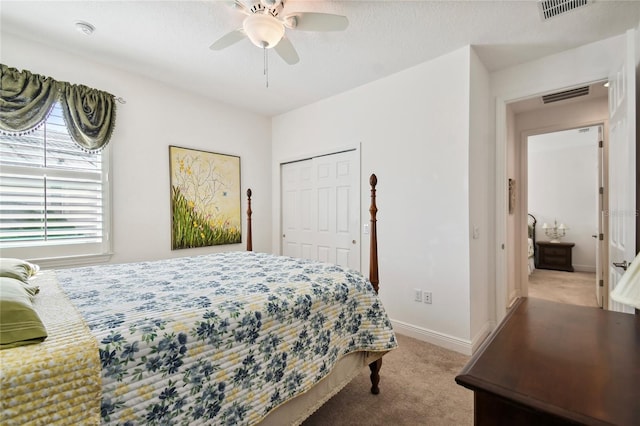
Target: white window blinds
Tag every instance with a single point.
(52, 193)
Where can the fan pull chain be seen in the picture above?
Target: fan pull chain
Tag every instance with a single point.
(266, 67)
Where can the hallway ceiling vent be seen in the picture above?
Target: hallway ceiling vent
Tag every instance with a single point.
(550, 8)
(566, 94)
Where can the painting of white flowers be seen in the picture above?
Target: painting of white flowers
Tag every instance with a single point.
(205, 198)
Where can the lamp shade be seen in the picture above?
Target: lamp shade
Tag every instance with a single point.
(263, 30)
(627, 290)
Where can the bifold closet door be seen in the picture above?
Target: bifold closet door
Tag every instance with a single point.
(321, 209)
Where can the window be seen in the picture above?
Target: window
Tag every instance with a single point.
(54, 197)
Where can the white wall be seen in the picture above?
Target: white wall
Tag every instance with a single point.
(563, 186)
(154, 117)
(413, 128)
(481, 203)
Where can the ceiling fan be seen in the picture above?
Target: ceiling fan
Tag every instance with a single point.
(265, 26)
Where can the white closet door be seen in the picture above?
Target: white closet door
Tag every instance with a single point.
(321, 209)
(298, 187)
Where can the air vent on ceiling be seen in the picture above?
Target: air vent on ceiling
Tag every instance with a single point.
(550, 8)
(567, 94)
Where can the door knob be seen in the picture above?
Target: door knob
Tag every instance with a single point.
(353, 241)
(624, 264)
(284, 235)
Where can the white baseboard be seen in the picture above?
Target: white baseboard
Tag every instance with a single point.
(464, 346)
(584, 268)
(481, 335)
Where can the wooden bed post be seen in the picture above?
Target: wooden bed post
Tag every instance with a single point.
(373, 275)
(249, 237)
(373, 250)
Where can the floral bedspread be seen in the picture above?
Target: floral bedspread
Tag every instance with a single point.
(221, 338)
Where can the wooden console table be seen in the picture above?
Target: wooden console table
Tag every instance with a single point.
(555, 256)
(549, 363)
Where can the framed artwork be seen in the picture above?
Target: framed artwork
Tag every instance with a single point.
(512, 195)
(205, 198)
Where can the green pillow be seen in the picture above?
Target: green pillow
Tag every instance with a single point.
(19, 322)
(17, 268)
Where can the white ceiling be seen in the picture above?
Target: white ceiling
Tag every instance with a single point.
(169, 41)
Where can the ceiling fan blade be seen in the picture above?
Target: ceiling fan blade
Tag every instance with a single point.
(312, 21)
(228, 39)
(286, 51)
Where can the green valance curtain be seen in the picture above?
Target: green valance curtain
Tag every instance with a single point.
(26, 100)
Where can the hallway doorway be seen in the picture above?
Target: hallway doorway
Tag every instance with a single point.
(531, 117)
(564, 174)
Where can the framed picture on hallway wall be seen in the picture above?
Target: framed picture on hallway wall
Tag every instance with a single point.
(512, 195)
(205, 198)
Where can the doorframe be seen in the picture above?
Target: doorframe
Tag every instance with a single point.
(522, 286)
(502, 246)
(277, 240)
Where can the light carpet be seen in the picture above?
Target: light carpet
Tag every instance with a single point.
(417, 387)
(575, 288)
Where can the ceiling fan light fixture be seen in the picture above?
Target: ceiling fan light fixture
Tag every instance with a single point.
(263, 30)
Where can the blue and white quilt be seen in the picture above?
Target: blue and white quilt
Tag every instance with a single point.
(221, 338)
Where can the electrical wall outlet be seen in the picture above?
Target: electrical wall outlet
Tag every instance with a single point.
(426, 297)
(417, 295)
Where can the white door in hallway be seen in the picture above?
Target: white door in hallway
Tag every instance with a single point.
(622, 173)
(321, 209)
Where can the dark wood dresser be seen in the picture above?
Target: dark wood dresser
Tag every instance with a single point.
(549, 363)
(555, 256)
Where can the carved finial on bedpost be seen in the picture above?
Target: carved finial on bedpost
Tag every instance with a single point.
(249, 237)
(373, 252)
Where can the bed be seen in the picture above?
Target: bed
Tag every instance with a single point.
(225, 338)
(531, 242)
